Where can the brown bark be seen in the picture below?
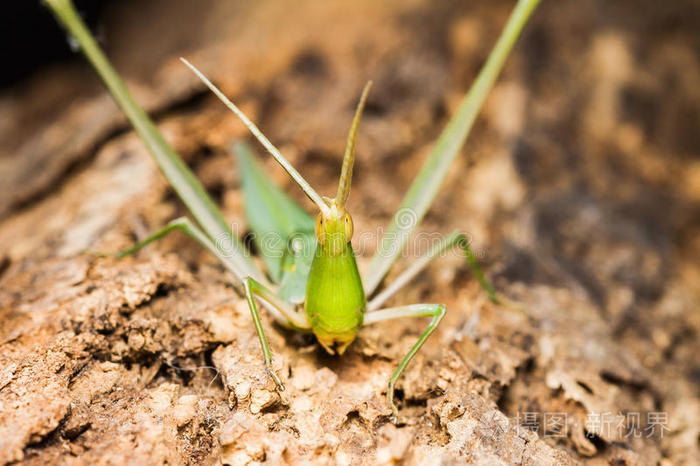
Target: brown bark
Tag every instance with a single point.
(579, 187)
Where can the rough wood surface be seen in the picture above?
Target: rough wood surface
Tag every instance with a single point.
(579, 187)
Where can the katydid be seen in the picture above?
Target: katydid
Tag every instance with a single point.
(314, 286)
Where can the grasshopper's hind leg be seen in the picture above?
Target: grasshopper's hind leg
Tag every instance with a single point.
(436, 311)
(451, 241)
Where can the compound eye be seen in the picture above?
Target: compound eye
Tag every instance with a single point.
(349, 227)
(320, 230)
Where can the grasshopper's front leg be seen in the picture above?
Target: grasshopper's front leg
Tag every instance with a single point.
(436, 311)
(296, 321)
(281, 310)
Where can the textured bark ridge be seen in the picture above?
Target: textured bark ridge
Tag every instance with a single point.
(579, 189)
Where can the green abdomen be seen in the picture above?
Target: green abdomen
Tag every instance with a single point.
(335, 299)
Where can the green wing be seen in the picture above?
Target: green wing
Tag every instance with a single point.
(296, 267)
(282, 230)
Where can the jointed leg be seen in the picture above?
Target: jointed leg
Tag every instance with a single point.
(436, 311)
(186, 226)
(281, 311)
(182, 223)
(254, 288)
(454, 239)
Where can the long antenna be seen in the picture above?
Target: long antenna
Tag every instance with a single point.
(313, 195)
(349, 157)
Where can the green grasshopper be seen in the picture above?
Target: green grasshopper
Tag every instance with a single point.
(313, 286)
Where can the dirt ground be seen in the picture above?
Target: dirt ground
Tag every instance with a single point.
(579, 186)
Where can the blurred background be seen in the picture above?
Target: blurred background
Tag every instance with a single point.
(581, 174)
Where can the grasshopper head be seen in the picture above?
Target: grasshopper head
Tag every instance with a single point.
(334, 229)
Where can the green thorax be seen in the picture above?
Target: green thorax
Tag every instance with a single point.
(335, 299)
